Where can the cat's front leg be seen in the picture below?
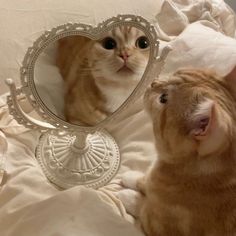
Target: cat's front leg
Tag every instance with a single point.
(131, 200)
(132, 196)
(134, 180)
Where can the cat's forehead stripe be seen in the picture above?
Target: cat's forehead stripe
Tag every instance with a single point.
(125, 33)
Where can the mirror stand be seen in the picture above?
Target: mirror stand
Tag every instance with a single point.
(69, 158)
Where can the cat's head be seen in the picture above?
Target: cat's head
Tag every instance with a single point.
(121, 56)
(193, 113)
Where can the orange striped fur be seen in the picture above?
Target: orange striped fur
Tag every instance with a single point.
(191, 188)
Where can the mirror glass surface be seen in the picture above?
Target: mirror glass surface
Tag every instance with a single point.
(83, 81)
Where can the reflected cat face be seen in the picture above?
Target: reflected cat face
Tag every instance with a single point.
(122, 55)
(101, 72)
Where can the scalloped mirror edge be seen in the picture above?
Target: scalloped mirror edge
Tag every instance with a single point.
(69, 29)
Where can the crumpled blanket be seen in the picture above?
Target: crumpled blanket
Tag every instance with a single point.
(201, 33)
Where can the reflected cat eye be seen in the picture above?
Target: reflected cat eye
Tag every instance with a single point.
(109, 43)
(142, 42)
(163, 98)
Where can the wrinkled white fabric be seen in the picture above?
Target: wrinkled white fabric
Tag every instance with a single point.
(200, 33)
(3, 145)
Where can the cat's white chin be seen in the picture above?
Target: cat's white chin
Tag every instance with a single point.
(128, 77)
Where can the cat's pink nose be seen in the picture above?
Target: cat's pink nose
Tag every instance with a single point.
(124, 56)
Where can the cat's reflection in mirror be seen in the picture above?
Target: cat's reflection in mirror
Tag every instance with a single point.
(100, 75)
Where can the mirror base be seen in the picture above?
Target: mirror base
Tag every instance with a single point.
(66, 166)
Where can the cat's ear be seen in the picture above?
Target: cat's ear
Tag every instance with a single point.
(209, 127)
(202, 120)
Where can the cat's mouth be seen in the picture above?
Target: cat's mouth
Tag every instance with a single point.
(125, 69)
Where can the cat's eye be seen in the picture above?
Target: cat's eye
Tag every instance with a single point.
(109, 43)
(163, 98)
(142, 42)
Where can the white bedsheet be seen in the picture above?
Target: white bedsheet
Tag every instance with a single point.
(201, 34)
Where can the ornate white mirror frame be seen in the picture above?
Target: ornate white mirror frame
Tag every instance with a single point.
(70, 154)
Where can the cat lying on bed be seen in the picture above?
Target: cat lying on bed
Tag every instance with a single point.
(100, 74)
(190, 190)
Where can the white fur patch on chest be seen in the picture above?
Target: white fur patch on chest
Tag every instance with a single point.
(115, 96)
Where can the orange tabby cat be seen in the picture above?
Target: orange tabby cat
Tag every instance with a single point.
(190, 190)
(100, 75)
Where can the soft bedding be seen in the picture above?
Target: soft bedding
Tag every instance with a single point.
(202, 34)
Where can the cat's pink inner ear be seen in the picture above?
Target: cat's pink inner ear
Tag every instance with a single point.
(202, 120)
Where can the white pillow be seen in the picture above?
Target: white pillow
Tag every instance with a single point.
(22, 22)
(202, 47)
(49, 82)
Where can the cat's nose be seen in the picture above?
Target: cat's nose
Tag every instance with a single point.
(124, 56)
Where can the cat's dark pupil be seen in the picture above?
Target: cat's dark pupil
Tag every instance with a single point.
(163, 98)
(142, 42)
(109, 43)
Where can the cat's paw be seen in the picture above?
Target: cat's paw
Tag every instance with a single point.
(130, 179)
(131, 200)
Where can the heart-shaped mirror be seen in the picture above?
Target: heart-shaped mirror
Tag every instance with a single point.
(84, 76)
(79, 79)
(83, 81)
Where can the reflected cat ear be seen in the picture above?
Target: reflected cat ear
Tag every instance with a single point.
(202, 120)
